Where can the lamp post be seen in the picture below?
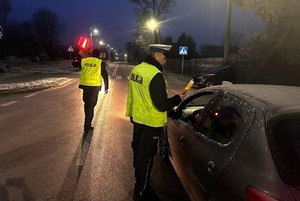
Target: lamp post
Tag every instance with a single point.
(153, 26)
(227, 33)
(93, 32)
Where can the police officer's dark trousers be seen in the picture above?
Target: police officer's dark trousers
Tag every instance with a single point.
(144, 145)
(90, 98)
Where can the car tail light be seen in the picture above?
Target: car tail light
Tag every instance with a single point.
(254, 194)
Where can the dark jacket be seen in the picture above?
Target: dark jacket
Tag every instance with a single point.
(157, 89)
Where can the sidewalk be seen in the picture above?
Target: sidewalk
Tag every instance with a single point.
(179, 77)
(36, 77)
(32, 82)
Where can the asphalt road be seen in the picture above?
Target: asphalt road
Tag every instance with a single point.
(44, 154)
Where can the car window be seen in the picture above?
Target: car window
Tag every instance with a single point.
(224, 119)
(284, 138)
(192, 108)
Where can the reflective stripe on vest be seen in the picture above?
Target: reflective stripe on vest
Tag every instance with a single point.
(139, 104)
(91, 72)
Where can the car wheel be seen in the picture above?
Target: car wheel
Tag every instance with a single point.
(163, 148)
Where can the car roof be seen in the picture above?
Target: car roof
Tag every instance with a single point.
(274, 95)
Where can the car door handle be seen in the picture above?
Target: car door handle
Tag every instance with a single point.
(211, 167)
(182, 140)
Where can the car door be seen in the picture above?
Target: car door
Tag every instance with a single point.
(217, 134)
(179, 129)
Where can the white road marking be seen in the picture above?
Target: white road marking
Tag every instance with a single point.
(9, 103)
(115, 71)
(30, 95)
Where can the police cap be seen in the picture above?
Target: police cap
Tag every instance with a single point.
(160, 48)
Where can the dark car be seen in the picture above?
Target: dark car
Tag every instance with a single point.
(214, 75)
(236, 142)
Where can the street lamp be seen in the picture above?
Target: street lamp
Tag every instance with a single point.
(101, 44)
(152, 24)
(103, 50)
(93, 32)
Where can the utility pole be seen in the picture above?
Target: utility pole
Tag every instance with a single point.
(157, 35)
(227, 33)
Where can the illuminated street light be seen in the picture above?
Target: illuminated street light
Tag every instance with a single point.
(153, 26)
(93, 32)
(103, 50)
(101, 44)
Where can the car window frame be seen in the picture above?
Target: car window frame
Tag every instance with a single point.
(206, 112)
(180, 108)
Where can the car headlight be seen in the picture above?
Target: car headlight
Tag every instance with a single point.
(201, 78)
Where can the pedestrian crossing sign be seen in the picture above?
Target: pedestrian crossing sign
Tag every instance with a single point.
(183, 50)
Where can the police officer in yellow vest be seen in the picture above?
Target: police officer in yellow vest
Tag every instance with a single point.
(92, 72)
(147, 106)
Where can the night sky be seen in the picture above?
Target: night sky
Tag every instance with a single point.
(203, 19)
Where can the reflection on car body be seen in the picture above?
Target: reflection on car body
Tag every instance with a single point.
(234, 142)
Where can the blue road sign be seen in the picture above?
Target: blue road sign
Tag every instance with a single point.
(183, 50)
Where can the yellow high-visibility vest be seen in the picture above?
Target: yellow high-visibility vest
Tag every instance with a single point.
(91, 72)
(139, 104)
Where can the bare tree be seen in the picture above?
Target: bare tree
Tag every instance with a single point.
(47, 25)
(144, 10)
(156, 7)
(282, 26)
(5, 8)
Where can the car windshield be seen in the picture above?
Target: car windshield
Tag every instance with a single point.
(284, 139)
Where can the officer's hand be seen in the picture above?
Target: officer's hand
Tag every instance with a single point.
(182, 94)
(81, 52)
